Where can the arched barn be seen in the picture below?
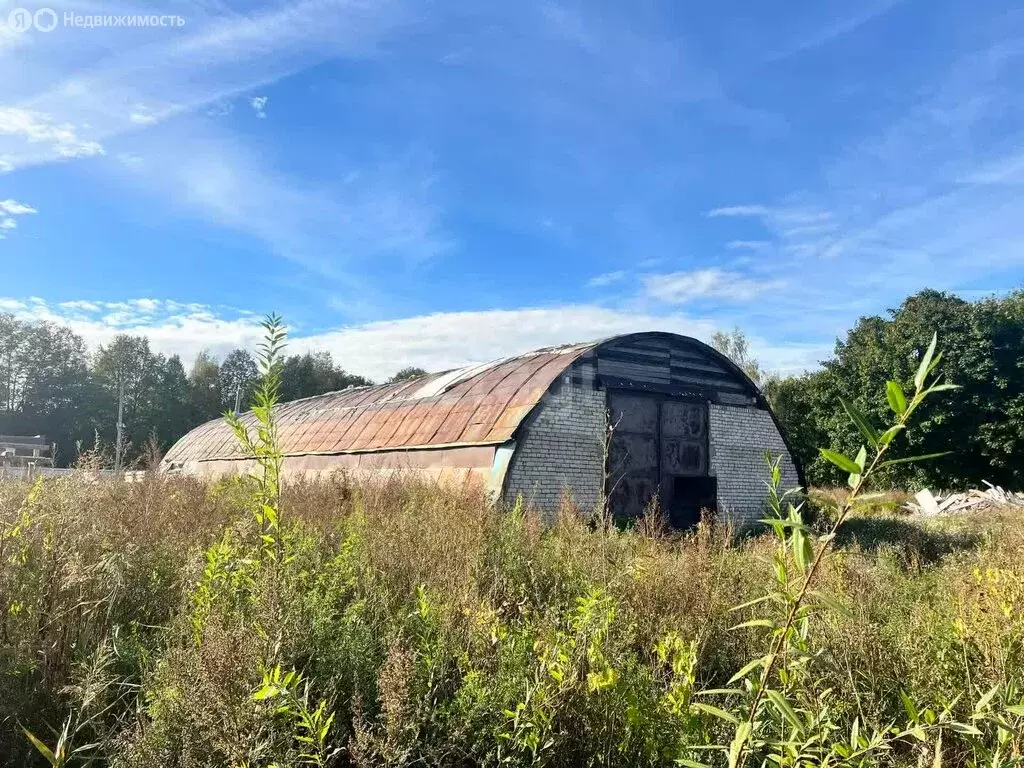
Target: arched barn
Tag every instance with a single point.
(631, 416)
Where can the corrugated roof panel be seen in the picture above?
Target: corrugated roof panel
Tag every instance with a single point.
(433, 417)
(395, 417)
(477, 404)
(377, 417)
(455, 424)
(359, 424)
(411, 414)
(431, 410)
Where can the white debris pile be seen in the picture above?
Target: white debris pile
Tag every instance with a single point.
(927, 504)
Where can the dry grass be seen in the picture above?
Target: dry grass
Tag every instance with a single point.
(422, 616)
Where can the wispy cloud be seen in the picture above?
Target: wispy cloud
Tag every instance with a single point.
(686, 287)
(931, 198)
(608, 278)
(1002, 170)
(142, 115)
(923, 192)
(830, 29)
(789, 218)
(259, 104)
(9, 209)
(437, 341)
(747, 245)
(172, 327)
(172, 79)
(204, 63)
(39, 128)
(14, 208)
(798, 230)
(370, 216)
(739, 210)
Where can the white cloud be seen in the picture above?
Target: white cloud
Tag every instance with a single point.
(600, 281)
(387, 211)
(798, 230)
(147, 306)
(34, 127)
(6, 166)
(220, 109)
(14, 208)
(183, 329)
(452, 339)
(747, 245)
(683, 287)
(146, 97)
(142, 115)
(130, 160)
(792, 218)
(259, 104)
(69, 84)
(435, 342)
(932, 199)
(8, 210)
(739, 210)
(85, 306)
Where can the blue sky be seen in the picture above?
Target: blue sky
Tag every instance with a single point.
(438, 183)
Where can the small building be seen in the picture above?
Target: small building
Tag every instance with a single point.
(624, 419)
(24, 451)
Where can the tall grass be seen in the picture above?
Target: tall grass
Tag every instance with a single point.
(170, 623)
(437, 631)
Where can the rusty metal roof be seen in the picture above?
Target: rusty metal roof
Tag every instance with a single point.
(479, 405)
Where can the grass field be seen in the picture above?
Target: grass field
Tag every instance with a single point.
(404, 624)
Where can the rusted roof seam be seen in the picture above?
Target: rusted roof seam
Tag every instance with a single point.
(399, 449)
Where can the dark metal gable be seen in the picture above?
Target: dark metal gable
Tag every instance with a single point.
(670, 364)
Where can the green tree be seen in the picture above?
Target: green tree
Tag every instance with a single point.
(172, 413)
(981, 423)
(128, 365)
(45, 386)
(793, 399)
(204, 389)
(409, 372)
(13, 360)
(315, 373)
(238, 373)
(734, 345)
(999, 434)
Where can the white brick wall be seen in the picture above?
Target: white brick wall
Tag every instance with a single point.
(739, 438)
(561, 449)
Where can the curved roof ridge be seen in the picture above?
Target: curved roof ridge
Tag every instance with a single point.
(476, 405)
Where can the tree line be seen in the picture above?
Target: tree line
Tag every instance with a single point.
(980, 425)
(52, 385)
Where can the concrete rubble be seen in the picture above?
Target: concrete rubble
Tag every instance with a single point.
(927, 504)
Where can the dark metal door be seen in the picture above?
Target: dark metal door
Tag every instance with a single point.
(684, 438)
(656, 445)
(633, 455)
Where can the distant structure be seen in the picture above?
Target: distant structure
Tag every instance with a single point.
(17, 451)
(625, 419)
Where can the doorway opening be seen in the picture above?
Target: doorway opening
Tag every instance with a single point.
(690, 497)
